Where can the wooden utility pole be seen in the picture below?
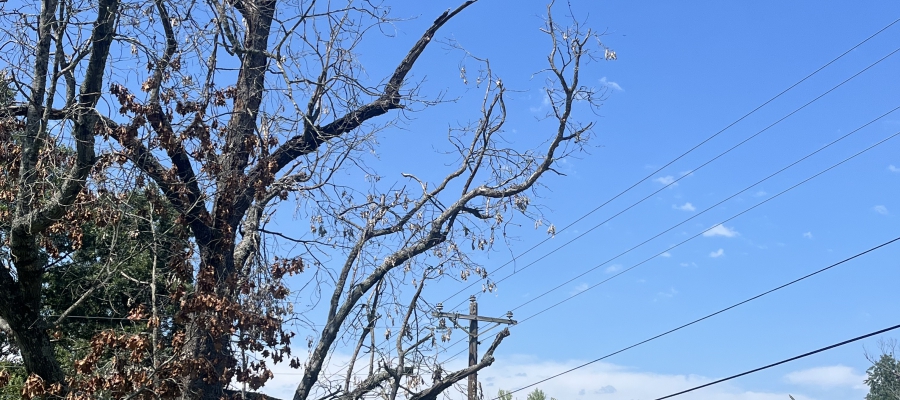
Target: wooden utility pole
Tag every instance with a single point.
(473, 347)
(473, 318)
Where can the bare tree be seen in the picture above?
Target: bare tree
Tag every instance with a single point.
(231, 108)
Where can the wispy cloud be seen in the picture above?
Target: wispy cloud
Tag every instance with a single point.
(892, 168)
(721, 230)
(668, 293)
(665, 180)
(718, 253)
(685, 207)
(579, 288)
(666, 254)
(611, 84)
(613, 268)
(544, 104)
(827, 377)
(760, 193)
(881, 210)
(808, 235)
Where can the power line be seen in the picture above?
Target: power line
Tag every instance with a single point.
(857, 255)
(738, 193)
(692, 237)
(729, 219)
(100, 317)
(514, 258)
(783, 361)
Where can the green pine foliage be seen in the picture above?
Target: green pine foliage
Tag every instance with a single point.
(114, 264)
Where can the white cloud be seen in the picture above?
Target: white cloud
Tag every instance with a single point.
(892, 168)
(666, 254)
(285, 379)
(827, 377)
(666, 180)
(881, 210)
(604, 381)
(579, 288)
(544, 104)
(611, 84)
(808, 235)
(612, 268)
(760, 193)
(668, 294)
(718, 253)
(720, 230)
(685, 207)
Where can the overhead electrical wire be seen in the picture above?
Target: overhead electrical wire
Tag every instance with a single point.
(868, 335)
(729, 219)
(698, 145)
(857, 255)
(724, 221)
(736, 194)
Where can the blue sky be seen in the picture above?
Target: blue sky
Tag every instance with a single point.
(685, 70)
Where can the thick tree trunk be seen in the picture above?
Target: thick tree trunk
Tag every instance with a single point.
(21, 311)
(208, 332)
(217, 275)
(35, 347)
(208, 383)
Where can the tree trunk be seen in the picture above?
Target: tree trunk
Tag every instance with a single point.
(208, 330)
(36, 349)
(21, 311)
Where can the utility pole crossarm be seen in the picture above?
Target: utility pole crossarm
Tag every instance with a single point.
(455, 315)
(473, 318)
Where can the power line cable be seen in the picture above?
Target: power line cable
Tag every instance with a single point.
(729, 219)
(783, 361)
(692, 149)
(857, 255)
(720, 155)
(738, 193)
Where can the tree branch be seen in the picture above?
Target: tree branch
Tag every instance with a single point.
(314, 136)
(438, 387)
